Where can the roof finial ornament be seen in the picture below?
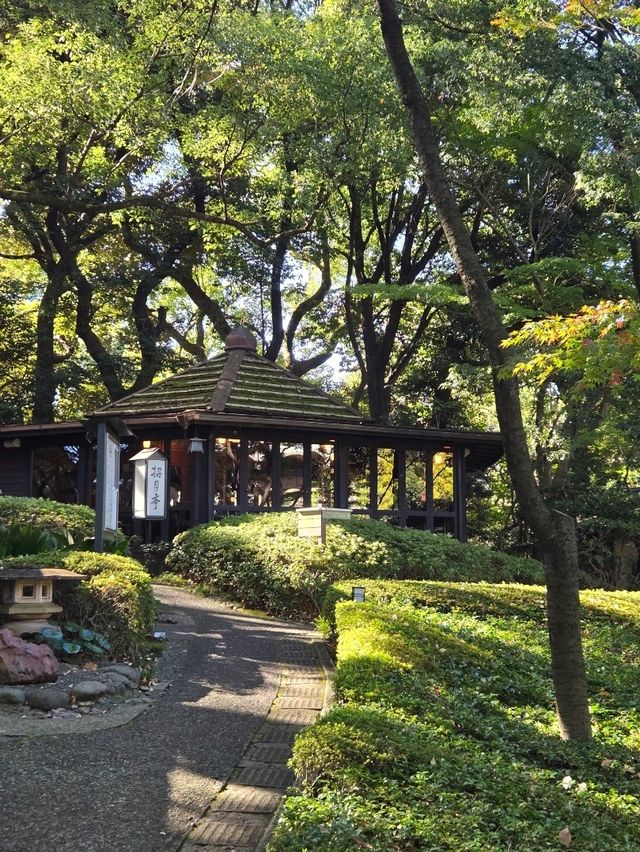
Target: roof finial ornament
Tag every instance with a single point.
(240, 338)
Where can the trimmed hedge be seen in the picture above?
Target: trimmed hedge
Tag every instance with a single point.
(445, 737)
(116, 598)
(260, 561)
(48, 514)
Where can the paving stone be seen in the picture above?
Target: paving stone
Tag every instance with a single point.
(301, 659)
(265, 775)
(211, 847)
(292, 717)
(277, 733)
(314, 677)
(248, 799)
(267, 753)
(295, 703)
(230, 829)
(304, 690)
(295, 669)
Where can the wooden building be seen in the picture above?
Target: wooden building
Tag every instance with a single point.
(244, 435)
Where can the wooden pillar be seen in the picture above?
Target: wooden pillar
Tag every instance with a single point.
(401, 468)
(306, 474)
(211, 473)
(276, 485)
(164, 523)
(429, 480)
(243, 475)
(341, 475)
(460, 492)
(373, 482)
(81, 473)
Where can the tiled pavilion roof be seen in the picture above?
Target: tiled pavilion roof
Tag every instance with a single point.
(237, 382)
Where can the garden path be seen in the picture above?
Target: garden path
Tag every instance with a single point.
(142, 787)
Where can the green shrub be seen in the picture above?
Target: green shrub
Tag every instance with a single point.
(444, 734)
(116, 597)
(79, 521)
(21, 539)
(260, 561)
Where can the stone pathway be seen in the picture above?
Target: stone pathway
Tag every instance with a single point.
(207, 751)
(242, 815)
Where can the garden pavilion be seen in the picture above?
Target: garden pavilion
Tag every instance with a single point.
(241, 434)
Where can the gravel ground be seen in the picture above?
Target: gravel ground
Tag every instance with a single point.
(138, 788)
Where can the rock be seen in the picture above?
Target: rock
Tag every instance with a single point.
(116, 687)
(25, 662)
(162, 686)
(12, 695)
(47, 699)
(116, 677)
(88, 690)
(123, 669)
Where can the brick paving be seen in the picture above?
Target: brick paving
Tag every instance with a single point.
(242, 814)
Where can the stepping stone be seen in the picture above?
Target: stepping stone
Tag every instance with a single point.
(277, 733)
(265, 775)
(248, 799)
(304, 690)
(292, 717)
(297, 670)
(267, 753)
(229, 829)
(295, 703)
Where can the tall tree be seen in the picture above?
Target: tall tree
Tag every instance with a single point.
(555, 532)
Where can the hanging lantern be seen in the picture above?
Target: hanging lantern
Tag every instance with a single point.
(196, 445)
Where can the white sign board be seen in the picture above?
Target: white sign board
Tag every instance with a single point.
(111, 483)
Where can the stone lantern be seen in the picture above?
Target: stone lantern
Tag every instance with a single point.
(26, 597)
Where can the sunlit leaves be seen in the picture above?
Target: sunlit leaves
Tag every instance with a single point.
(601, 343)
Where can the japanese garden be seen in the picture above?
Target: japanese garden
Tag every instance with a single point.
(319, 446)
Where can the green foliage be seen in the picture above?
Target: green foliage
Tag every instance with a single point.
(169, 578)
(77, 521)
(260, 561)
(70, 639)
(444, 734)
(599, 343)
(115, 599)
(22, 539)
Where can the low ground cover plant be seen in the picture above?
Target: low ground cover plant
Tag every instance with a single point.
(444, 735)
(115, 599)
(260, 561)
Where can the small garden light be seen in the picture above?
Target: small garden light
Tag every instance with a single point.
(358, 594)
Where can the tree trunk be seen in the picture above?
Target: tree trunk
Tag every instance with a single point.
(45, 374)
(558, 547)
(565, 638)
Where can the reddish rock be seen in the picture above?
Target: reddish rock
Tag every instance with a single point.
(25, 662)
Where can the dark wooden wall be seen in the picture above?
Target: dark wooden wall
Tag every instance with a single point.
(15, 472)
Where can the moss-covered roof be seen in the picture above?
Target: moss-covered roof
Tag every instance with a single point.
(237, 382)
